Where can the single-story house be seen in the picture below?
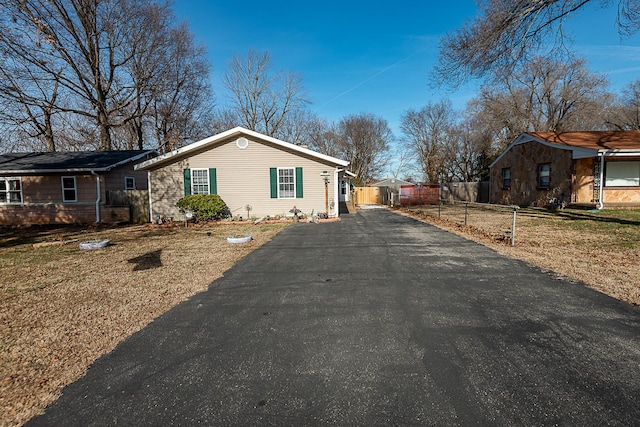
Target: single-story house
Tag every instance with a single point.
(255, 175)
(599, 168)
(392, 182)
(394, 191)
(67, 187)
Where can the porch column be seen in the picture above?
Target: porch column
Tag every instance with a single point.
(336, 184)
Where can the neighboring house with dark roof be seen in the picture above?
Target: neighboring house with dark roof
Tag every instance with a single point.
(392, 182)
(593, 169)
(248, 169)
(67, 187)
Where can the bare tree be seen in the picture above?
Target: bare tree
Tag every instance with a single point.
(301, 127)
(94, 68)
(626, 115)
(326, 140)
(262, 99)
(223, 119)
(182, 109)
(364, 139)
(426, 133)
(543, 95)
(507, 32)
(467, 154)
(28, 92)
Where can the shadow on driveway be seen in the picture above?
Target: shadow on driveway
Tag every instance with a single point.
(374, 320)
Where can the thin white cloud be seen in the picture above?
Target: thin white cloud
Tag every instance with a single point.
(368, 79)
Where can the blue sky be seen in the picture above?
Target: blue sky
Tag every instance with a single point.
(373, 57)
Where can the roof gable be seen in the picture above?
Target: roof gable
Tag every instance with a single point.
(390, 182)
(583, 144)
(212, 141)
(68, 161)
(594, 140)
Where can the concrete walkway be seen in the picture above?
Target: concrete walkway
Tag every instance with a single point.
(375, 320)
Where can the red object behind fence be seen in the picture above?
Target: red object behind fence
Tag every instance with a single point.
(416, 195)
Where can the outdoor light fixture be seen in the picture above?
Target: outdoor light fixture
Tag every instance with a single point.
(325, 176)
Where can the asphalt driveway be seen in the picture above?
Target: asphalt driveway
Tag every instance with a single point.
(375, 320)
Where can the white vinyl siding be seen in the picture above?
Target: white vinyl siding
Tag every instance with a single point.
(243, 178)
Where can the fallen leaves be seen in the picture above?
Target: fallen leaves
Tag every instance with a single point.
(61, 307)
(599, 257)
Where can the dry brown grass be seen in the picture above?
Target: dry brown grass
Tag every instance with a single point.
(61, 307)
(600, 249)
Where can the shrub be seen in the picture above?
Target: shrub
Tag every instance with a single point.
(205, 207)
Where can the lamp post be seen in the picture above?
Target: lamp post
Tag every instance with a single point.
(325, 177)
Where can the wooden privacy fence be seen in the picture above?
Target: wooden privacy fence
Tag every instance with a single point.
(137, 200)
(368, 196)
(466, 191)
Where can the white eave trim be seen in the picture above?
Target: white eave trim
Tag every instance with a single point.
(237, 131)
(620, 153)
(77, 170)
(45, 171)
(129, 160)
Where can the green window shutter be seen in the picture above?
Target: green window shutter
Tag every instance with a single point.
(187, 182)
(213, 181)
(273, 172)
(299, 185)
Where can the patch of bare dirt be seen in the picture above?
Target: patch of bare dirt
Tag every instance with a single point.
(601, 250)
(62, 307)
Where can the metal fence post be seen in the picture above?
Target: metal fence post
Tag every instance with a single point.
(466, 213)
(439, 204)
(513, 227)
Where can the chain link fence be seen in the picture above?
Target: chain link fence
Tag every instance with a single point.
(497, 221)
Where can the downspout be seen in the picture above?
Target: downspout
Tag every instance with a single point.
(99, 198)
(336, 192)
(601, 195)
(149, 193)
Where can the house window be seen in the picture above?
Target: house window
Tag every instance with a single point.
(10, 190)
(199, 181)
(69, 190)
(544, 175)
(286, 183)
(506, 178)
(343, 187)
(129, 183)
(622, 174)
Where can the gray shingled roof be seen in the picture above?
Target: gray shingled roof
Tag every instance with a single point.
(80, 161)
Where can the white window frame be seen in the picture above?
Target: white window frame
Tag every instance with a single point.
(8, 191)
(284, 193)
(75, 189)
(133, 180)
(200, 183)
(622, 174)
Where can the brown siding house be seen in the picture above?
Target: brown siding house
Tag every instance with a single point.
(67, 187)
(247, 169)
(593, 169)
